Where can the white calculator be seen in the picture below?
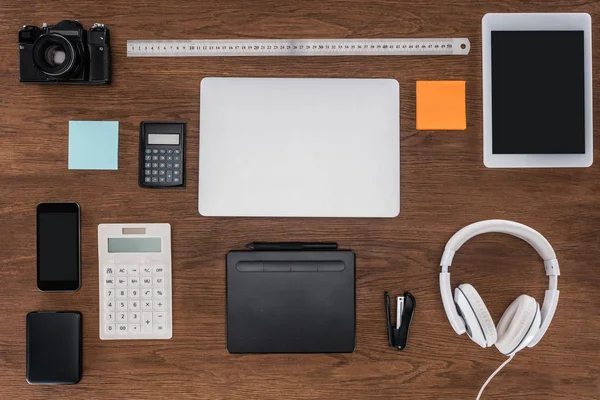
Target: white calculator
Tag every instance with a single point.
(135, 281)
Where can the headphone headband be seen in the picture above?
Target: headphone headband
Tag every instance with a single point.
(531, 236)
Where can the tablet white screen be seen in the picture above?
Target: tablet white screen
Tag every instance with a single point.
(538, 98)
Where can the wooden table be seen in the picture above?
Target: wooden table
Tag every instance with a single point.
(444, 186)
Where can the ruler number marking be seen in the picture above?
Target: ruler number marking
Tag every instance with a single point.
(151, 48)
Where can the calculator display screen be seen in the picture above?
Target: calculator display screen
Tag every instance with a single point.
(134, 245)
(163, 138)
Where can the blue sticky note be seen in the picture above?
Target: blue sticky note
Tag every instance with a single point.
(93, 144)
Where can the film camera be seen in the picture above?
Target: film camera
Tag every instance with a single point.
(64, 52)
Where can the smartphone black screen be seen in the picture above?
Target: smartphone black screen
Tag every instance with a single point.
(58, 248)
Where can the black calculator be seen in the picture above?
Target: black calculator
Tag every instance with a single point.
(162, 154)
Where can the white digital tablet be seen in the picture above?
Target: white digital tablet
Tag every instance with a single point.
(537, 90)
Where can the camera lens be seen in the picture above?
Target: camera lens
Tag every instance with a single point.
(54, 55)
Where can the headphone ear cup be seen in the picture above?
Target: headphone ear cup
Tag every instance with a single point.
(518, 325)
(478, 321)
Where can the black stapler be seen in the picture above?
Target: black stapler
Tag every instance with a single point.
(405, 309)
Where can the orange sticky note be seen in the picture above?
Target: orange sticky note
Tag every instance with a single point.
(441, 105)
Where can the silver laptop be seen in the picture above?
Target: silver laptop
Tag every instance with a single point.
(297, 147)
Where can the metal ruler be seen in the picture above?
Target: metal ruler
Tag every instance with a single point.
(297, 47)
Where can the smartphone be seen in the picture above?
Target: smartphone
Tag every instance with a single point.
(58, 247)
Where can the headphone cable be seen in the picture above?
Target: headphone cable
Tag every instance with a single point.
(492, 375)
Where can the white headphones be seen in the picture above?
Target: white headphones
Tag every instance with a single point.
(522, 325)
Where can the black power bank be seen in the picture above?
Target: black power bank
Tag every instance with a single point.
(54, 347)
(291, 301)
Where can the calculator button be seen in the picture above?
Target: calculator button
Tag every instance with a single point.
(148, 158)
(134, 317)
(146, 281)
(122, 305)
(134, 281)
(147, 165)
(109, 316)
(169, 165)
(163, 151)
(109, 270)
(159, 281)
(177, 151)
(155, 151)
(110, 305)
(177, 158)
(155, 179)
(154, 172)
(134, 293)
(162, 158)
(146, 293)
(134, 271)
(134, 328)
(134, 305)
(122, 317)
(160, 317)
(147, 322)
(109, 282)
(121, 293)
(161, 172)
(109, 293)
(146, 270)
(176, 165)
(147, 172)
(154, 165)
(147, 305)
(148, 151)
(122, 271)
(122, 329)
(154, 158)
(109, 328)
(169, 158)
(159, 293)
(159, 305)
(161, 180)
(158, 270)
(147, 179)
(169, 179)
(160, 328)
(122, 282)
(162, 165)
(170, 151)
(176, 180)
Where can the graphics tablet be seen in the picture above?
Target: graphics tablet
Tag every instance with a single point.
(291, 301)
(537, 90)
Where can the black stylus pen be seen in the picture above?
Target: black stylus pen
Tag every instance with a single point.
(262, 246)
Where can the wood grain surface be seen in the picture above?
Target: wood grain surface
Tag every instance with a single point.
(444, 186)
